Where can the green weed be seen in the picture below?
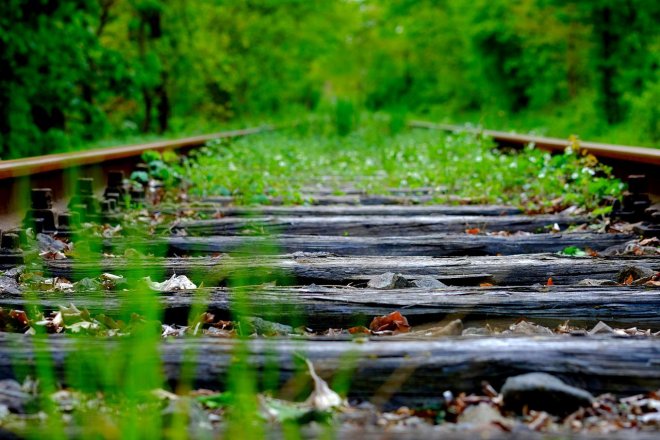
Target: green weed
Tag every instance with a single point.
(287, 165)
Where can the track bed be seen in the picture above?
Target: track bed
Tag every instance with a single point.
(467, 297)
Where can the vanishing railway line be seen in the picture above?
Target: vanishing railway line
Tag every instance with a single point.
(51, 170)
(485, 290)
(638, 155)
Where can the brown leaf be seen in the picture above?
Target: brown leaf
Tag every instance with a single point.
(549, 282)
(591, 252)
(628, 280)
(223, 325)
(650, 241)
(19, 316)
(395, 321)
(473, 231)
(359, 329)
(486, 285)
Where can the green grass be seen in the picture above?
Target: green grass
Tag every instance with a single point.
(282, 164)
(119, 391)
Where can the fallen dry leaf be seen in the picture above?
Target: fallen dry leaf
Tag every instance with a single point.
(395, 321)
(549, 282)
(52, 255)
(180, 282)
(473, 231)
(486, 285)
(628, 280)
(591, 252)
(322, 397)
(650, 242)
(359, 329)
(19, 316)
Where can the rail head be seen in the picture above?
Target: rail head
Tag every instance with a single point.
(10, 169)
(633, 154)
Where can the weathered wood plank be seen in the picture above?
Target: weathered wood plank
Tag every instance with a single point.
(329, 189)
(345, 210)
(461, 432)
(376, 225)
(436, 245)
(512, 270)
(424, 368)
(330, 307)
(320, 200)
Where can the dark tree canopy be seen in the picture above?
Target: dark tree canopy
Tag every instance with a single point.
(75, 71)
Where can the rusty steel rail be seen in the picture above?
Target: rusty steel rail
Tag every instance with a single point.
(60, 171)
(632, 154)
(29, 166)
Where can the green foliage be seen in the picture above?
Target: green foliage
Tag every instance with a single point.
(56, 77)
(345, 116)
(76, 71)
(150, 156)
(218, 400)
(397, 119)
(141, 177)
(163, 167)
(573, 251)
(282, 164)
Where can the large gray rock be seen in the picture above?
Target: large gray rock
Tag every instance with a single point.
(14, 272)
(12, 396)
(9, 285)
(427, 282)
(527, 328)
(543, 392)
(388, 280)
(638, 272)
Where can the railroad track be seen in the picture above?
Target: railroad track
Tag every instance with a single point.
(59, 171)
(623, 153)
(485, 292)
(625, 160)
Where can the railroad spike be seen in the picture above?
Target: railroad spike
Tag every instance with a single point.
(137, 194)
(84, 201)
(41, 215)
(22, 235)
(68, 221)
(11, 253)
(10, 241)
(41, 198)
(635, 201)
(116, 188)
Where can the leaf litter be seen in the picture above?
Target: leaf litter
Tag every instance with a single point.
(324, 409)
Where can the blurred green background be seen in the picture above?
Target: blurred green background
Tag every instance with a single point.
(77, 73)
